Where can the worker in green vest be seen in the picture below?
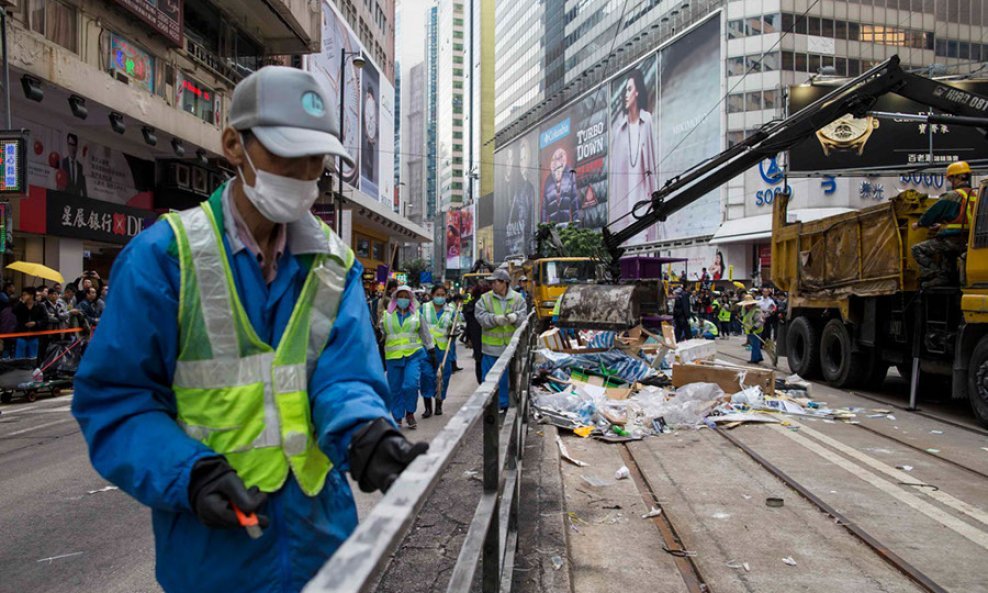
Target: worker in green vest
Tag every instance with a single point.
(236, 367)
(444, 322)
(723, 306)
(499, 311)
(752, 322)
(409, 351)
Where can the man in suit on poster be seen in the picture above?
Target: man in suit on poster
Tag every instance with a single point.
(75, 178)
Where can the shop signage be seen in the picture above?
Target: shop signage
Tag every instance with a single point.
(13, 162)
(71, 216)
(772, 174)
(134, 62)
(164, 16)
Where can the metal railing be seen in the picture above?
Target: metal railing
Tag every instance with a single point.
(492, 537)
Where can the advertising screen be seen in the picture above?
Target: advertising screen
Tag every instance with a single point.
(370, 110)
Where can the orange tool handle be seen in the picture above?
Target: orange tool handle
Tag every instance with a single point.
(248, 522)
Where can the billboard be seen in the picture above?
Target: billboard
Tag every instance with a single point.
(610, 149)
(453, 242)
(573, 153)
(164, 16)
(690, 122)
(895, 145)
(368, 107)
(516, 171)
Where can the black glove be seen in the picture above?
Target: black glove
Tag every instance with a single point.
(213, 486)
(433, 360)
(379, 453)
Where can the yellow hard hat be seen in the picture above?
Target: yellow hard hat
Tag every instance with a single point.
(958, 168)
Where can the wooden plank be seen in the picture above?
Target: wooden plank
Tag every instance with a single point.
(729, 379)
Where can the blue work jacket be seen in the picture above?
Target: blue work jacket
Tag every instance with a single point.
(126, 408)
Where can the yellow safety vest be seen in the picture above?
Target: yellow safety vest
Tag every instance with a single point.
(499, 335)
(401, 339)
(724, 312)
(438, 326)
(235, 393)
(965, 216)
(748, 320)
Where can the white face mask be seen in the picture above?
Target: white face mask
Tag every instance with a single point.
(279, 199)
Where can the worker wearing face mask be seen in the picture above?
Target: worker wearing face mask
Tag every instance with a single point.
(409, 351)
(258, 382)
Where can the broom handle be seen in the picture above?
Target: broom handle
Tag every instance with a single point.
(449, 338)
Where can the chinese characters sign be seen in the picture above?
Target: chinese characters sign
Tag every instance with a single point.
(12, 163)
(94, 220)
(164, 16)
(133, 61)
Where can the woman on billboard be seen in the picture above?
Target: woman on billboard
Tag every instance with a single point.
(633, 168)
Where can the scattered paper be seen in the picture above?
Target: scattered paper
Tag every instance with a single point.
(721, 516)
(934, 451)
(739, 565)
(655, 512)
(557, 562)
(59, 557)
(564, 453)
(788, 560)
(936, 432)
(622, 473)
(103, 489)
(890, 417)
(583, 431)
(905, 468)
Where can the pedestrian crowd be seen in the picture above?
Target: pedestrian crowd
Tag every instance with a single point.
(709, 314)
(46, 308)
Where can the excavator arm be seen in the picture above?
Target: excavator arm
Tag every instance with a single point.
(855, 97)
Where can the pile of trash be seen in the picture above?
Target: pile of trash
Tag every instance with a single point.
(621, 387)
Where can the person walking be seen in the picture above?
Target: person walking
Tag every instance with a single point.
(474, 330)
(443, 321)
(769, 313)
(406, 341)
(31, 317)
(723, 308)
(255, 383)
(752, 322)
(681, 312)
(499, 311)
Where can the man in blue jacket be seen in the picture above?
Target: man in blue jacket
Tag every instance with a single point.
(256, 382)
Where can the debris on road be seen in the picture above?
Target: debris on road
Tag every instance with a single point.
(655, 512)
(103, 489)
(774, 501)
(564, 453)
(622, 474)
(788, 560)
(50, 559)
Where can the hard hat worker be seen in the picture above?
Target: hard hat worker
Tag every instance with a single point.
(499, 311)
(236, 363)
(752, 323)
(951, 217)
(406, 341)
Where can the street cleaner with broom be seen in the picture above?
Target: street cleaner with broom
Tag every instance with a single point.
(444, 323)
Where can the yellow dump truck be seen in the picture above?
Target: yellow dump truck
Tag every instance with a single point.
(856, 308)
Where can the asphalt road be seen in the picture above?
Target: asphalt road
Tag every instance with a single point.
(66, 529)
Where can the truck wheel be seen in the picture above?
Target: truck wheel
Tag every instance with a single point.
(977, 382)
(840, 366)
(803, 348)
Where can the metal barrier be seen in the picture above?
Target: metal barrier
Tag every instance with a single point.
(492, 538)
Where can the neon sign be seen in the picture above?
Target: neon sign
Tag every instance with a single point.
(136, 63)
(201, 92)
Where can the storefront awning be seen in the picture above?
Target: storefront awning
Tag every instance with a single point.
(755, 228)
(378, 215)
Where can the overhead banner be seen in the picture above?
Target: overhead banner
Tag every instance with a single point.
(72, 216)
(895, 145)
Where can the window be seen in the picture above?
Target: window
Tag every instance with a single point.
(813, 25)
(770, 62)
(840, 29)
(735, 103)
(800, 65)
(853, 67)
(457, 71)
(458, 22)
(814, 63)
(363, 246)
(735, 66)
(840, 64)
(770, 99)
(57, 21)
(853, 31)
(457, 59)
(196, 98)
(753, 26)
(457, 84)
(827, 28)
(735, 29)
(788, 22)
(753, 101)
(458, 135)
(788, 61)
(771, 23)
(752, 64)
(734, 138)
(458, 34)
(458, 47)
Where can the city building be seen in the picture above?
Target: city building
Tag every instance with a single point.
(432, 211)
(413, 185)
(451, 94)
(373, 21)
(556, 75)
(124, 109)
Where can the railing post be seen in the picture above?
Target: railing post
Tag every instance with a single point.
(491, 563)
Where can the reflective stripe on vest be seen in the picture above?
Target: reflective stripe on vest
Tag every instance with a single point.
(235, 393)
(438, 326)
(401, 339)
(965, 216)
(499, 335)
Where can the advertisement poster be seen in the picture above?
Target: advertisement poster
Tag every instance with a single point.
(850, 144)
(573, 151)
(164, 16)
(67, 162)
(633, 151)
(369, 130)
(325, 66)
(515, 170)
(485, 244)
(453, 243)
(386, 143)
(689, 128)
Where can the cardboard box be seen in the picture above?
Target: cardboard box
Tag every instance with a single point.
(728, 378)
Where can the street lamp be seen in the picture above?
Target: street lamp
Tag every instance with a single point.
(358, 62)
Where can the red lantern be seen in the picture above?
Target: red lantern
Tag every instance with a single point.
(38, 147)
(54, 159)
(61, 180)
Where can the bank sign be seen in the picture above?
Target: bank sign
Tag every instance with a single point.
(93, 220)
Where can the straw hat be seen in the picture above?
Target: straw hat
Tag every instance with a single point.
(747, 301)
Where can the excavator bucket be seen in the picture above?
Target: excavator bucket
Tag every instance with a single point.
(609, 307)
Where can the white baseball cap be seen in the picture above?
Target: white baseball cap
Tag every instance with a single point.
(287, 111)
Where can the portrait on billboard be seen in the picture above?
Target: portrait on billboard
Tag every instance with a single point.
(633, 163)
(453, 241)
(369, 130)
(325, 66)
(717, 269)
(72, 178)
(521, 196)
(560, 202)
